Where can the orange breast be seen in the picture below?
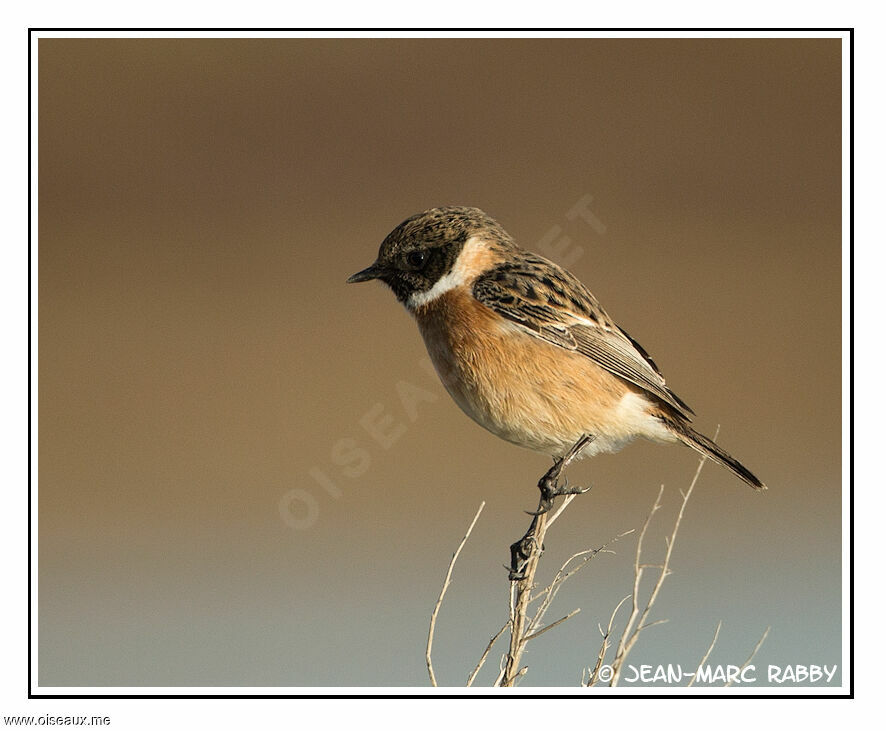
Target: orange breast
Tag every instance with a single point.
(523, 389)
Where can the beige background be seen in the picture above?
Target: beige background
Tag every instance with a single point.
(246, 474)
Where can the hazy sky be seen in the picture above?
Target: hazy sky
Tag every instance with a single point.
(248, 475)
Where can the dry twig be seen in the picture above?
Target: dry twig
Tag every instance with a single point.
(706, 655)
(498, 634)
(594, 675)
(637, 620)
(446, 583)
(553, 624)
(521, 591)
(550, 591)
(751, 656)
(523, 576)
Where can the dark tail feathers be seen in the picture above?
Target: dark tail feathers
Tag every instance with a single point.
(701, 444)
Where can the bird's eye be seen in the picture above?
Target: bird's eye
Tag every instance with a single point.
(415, 260)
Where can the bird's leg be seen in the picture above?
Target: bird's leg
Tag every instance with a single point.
(523, 550)
(548, 486)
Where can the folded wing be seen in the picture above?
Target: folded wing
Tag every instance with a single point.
(551, 304)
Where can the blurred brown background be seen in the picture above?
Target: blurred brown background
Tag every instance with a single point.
(232, 490)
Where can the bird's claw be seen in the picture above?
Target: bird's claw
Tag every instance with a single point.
(521, 552)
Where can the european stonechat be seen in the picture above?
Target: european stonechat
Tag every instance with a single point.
(522, 345)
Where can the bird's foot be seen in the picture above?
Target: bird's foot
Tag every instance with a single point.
(521, 552)
(549, 486)
(528, 546)
(551, 490)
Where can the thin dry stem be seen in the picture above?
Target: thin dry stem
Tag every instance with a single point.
(521, 588)
(706, 655)
(637, 620)
(550, 591)
(627, 634)
(498, 634)
(556, 514)
(521, 591)
(502, 666)
(446, 583)
(594, 675)
(751, 656)
(553, 624)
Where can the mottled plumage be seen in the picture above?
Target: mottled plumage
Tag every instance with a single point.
(523, 347)
(553, 305)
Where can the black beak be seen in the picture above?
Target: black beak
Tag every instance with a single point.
(373, 271)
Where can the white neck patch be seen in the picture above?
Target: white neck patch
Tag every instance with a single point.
(470, 263)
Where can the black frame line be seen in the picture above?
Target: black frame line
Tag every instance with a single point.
(521, 696)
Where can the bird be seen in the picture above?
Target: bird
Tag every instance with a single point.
(525, 349)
